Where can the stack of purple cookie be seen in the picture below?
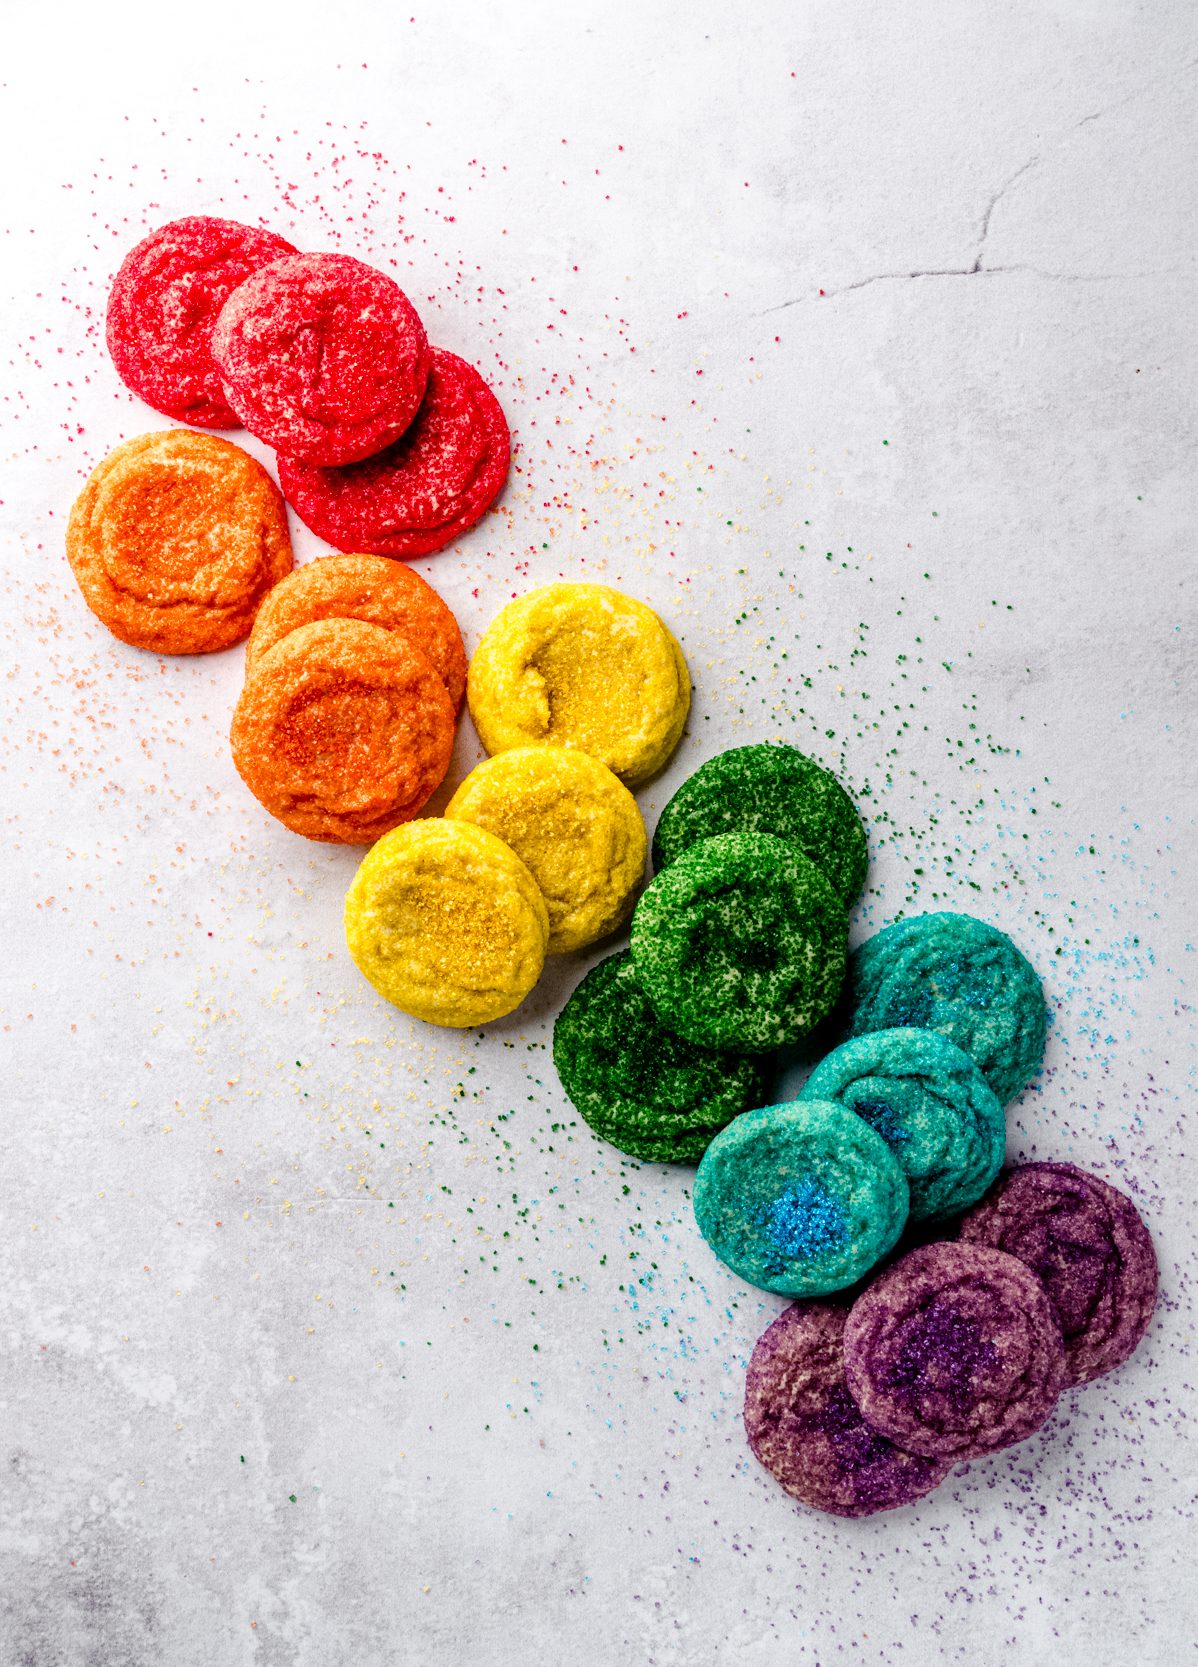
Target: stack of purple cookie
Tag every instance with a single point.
(956, 1350)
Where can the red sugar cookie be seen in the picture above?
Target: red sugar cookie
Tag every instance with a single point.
(163, 306)
(322, 357)
(426, 489)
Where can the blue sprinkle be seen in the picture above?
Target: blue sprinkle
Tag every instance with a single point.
(882, 1119)
(806, 1220)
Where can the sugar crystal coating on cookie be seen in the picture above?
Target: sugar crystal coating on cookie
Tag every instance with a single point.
(586, 667)
(322, 357)
(446, 922)
(382, 593)
(1085, 1241)
(740, 943)
(955, 1351)
(428, 487)
(175, 539)
(343, 731)
(164, 304)
(773, 789)
(638, 1085)
(806, 1429)
(802, 1198)
(575, 825)
(931, 1105)
(961, 977)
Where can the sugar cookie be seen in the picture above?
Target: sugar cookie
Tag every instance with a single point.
(576, 827)
(954, 1351)
(343, 730)
(447, 923)
(322, 357)
(801, 1198)
(164, 304)
(638, 1085)
(175, 539)
(582, 666)
(772, 789)
(740, 943)
(959, 976)
(805, 1427)
(362, 587)
(931, 1105)
(428, 487)
(1084, 1240)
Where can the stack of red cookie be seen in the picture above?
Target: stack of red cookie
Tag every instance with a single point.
(385, 444)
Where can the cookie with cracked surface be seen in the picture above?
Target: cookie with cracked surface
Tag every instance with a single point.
(175, 540)
(802, 1199)
(164, 304)
(931, 1105)
(343, 731)
(447, 923)
(955, 1351)
(1087, 1244)
(586, 667)
(576, 827)
(636, 1084)
(773, 789)
(959, 976)
(322, 357)
(368, 588)
(740, 943)
(805, 1428)
(428, 487)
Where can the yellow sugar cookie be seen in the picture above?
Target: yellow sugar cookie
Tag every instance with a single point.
(447, 922)
(575, 826)
(585, 667)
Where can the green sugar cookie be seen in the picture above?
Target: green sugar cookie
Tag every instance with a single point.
(740, 943)
(959, 976)
(638, 1085)
(931, 1105)
(802, 1199)
(769, 788)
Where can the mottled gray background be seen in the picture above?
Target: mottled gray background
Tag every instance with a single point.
(858, 338)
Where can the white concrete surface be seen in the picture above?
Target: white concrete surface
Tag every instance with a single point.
(859, 340)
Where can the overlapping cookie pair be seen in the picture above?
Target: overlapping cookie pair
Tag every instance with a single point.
(355, 675)
(577, 691)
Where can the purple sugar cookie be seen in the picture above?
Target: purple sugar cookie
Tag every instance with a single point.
(954, 1352)
(804, 1426)
(1086, 1242)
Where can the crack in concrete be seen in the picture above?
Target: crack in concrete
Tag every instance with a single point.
(974, 271)
(978, 270)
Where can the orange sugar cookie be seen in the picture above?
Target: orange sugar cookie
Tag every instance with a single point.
(369, 588)
(343, 730)
(175, 539)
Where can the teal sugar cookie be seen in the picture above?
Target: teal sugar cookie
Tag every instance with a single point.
(638, 1085)
(961, 977)
(802, 1198)
(769, 788)
(740, 943)
(931, 1105)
